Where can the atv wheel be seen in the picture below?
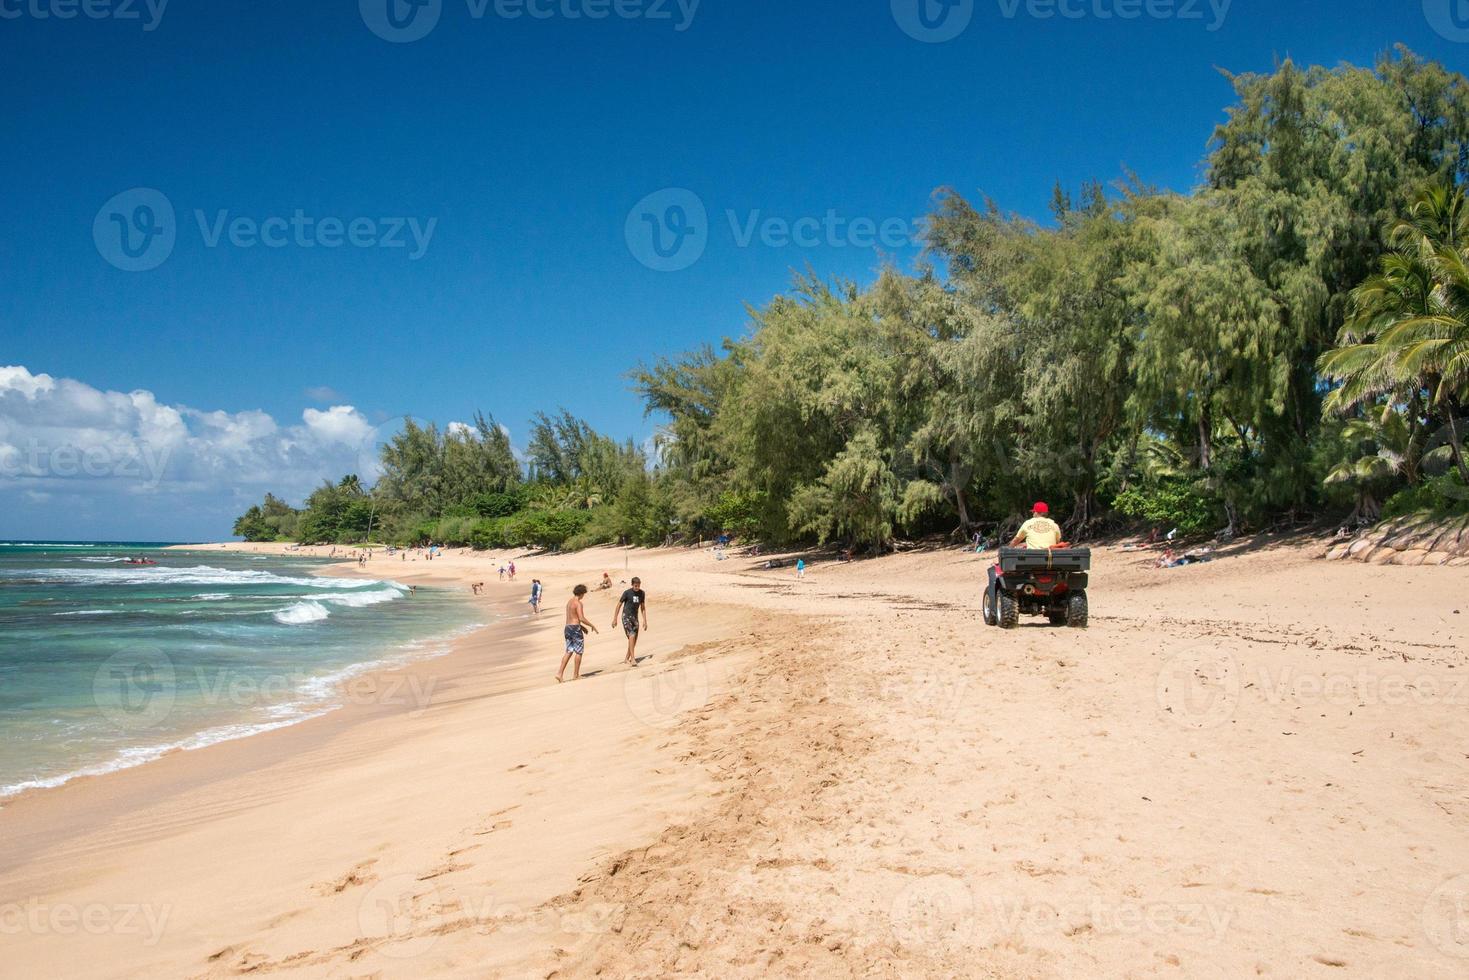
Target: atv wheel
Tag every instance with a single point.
(990, 619)
(1076, 611)
(1009, 611)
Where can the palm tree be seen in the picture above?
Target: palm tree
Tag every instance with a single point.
(1391, 441)
(1408, 336)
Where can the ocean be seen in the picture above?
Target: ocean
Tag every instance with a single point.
(106, 664)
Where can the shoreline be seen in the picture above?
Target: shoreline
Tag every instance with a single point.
(104, 840)
(335, 684)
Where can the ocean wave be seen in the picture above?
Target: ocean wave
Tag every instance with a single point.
(193, 575)
(104, 559)
(360, 600)
(140, 755)
(90, 612)
(52, 544)
(350, 600)
(302, 613)
(321, 696)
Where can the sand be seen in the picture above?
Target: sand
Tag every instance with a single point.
(1255, 766)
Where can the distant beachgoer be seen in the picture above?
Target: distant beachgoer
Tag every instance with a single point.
(575, 633)
(535, 596)
(606, 583)
(512, 571)
(413, 590)
(633, 602)
(800, 568)
(502, 573)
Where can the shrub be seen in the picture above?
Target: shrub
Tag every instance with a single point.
(1174, 503)
(487, 534)
(1442, 495)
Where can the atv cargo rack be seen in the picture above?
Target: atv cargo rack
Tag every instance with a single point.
(1022, 560)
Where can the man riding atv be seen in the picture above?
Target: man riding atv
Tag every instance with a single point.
(1038, 533)
(1038, 575)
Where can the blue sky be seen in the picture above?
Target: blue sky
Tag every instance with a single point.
(518, 147)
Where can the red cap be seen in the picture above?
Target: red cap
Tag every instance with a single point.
(1040, 508)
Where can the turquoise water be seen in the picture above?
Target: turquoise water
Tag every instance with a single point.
(105, 665)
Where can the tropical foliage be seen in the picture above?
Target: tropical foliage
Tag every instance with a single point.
(1288, 341)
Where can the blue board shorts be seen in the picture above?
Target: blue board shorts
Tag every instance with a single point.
(576, 639)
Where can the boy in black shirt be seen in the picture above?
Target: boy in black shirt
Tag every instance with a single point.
(633, 602)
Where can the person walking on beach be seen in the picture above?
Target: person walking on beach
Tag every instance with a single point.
(535, 596)
(512, 571)
(800, 568)
(633, 602)
(576, 633)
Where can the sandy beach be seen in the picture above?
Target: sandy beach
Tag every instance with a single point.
(1250, 767)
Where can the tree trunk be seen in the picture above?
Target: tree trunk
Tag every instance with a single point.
(957, 478)
(1456, 440)
(1081, 511)
(1206, 440)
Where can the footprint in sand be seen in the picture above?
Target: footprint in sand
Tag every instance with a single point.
(498, 826)
(399, 915)
(359, 875)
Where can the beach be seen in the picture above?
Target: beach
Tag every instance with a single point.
(1254, 766)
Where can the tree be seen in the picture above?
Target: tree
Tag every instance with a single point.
(1408, 337)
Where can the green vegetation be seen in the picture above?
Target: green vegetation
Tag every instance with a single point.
(1288, 341)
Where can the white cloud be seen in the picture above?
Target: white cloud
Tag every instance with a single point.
(339, 425)
(21, 380)
(66, 439)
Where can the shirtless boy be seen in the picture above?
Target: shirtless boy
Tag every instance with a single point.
(577, 625)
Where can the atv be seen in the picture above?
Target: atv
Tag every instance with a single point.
(1049, 583)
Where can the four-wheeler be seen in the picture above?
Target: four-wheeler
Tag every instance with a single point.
(1050, 583)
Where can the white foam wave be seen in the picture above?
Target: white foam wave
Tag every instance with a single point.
(321, 697)
(360, 600)
(302, 613)
(137, 756)
(90, 612)
(196, 575)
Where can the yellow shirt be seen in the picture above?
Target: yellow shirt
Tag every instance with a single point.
(1040, 533)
